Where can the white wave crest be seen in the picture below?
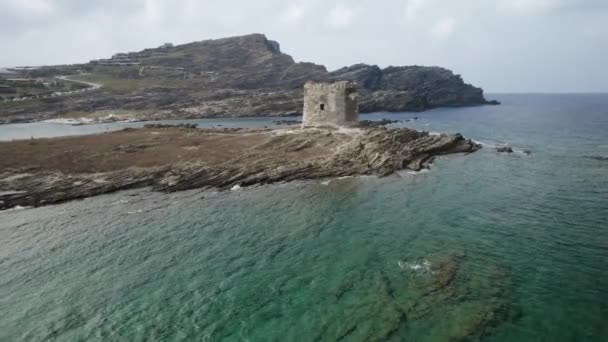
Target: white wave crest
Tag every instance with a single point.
(410, 173)
(420, 267)
(15, 208)
(498, 145)
(486, 144)
(68, 121)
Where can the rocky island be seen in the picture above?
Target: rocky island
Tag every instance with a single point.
(46, 171)
(231, 77)
(330, 143)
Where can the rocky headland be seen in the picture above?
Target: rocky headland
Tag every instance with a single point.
(45, 171)
(233, 77)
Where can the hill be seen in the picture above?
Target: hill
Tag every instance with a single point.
(231, 77)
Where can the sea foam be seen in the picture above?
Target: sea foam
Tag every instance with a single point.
(419, 267)
(15, 208)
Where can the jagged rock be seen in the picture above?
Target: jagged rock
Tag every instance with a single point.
(380, 123)
(504, 149)
(287, 122)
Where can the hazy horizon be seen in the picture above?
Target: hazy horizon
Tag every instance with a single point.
(503, 46)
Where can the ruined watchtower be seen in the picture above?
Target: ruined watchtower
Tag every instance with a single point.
(330, 104)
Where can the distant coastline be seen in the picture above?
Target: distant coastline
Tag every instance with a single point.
(230, 77)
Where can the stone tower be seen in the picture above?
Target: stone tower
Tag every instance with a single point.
(330, 104)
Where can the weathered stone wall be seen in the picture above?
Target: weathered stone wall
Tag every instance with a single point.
(330, 104)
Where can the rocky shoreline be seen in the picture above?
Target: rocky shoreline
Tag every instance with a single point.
(169, 159)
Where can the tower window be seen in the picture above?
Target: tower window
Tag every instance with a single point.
(322, 106)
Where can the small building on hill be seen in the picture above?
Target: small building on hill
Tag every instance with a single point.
(119, 59)
(5, 73)
(330, 104)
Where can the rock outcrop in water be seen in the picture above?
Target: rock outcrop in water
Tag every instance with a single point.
(598, 158)
(504, 149)
(432, 299)
(242, 76)
(61, 169)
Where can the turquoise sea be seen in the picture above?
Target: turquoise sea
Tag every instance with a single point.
(487, 246)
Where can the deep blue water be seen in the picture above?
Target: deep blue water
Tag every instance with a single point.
(487, 246)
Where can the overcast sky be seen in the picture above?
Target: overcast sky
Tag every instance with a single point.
(500, 45)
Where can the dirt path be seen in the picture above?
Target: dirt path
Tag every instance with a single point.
(93, 86)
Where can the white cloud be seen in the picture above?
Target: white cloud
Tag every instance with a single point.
(340, 17)
(528, 6)
(414, 7)
(154, 11)
(29, 6)
(444, 28)
(293, 14)
(496, 44)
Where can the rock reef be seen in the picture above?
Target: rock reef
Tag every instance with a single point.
(171, 159)
(432, 299)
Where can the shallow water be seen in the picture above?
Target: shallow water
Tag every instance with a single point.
(53, 129)
(485, 246)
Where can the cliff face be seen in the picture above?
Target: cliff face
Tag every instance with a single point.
(410, 88)
(254, 62)
(242, 76)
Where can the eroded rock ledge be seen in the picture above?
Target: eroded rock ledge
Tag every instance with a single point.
(46, 171)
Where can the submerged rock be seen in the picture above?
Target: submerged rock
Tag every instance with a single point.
(448, 304)
(598, 158)
(287, 122)
(434, 298)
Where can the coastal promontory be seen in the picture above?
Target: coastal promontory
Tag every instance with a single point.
(45, 171)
